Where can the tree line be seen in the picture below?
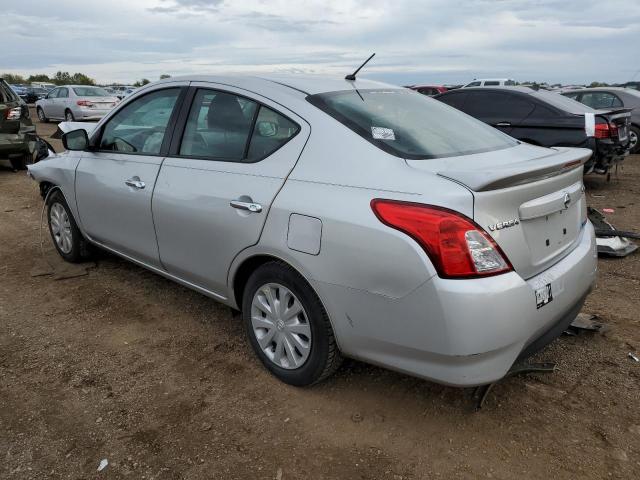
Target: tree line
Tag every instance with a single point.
(63, 78)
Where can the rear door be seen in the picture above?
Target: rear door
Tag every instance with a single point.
(502, 110)
(115, 182)
(230, 156)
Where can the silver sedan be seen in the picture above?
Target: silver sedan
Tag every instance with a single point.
(341, 217)
(75, 102)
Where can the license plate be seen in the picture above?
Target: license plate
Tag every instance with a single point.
(543, 295)
(622, 133)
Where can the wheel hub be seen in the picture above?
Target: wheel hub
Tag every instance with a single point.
(60, 228)
(280, 325)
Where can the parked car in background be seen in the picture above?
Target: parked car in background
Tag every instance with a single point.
(342, 217)
(491, 82)
(548, 119)
(45, 85)
(18, 89)
(429, 90)
(17, 132)
(33, 94)
(607, 98)
(75, 102)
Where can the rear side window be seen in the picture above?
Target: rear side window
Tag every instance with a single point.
(271, 131)
(228, 127)
(491, 83)
(497, 105)
(409, 125)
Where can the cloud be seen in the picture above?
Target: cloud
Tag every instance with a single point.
(416, 41)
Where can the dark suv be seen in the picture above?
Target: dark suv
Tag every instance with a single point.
(17, 132)
(550, 120)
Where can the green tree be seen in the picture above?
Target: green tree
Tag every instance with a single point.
(13, 78)
(141, 82)
(82, 79)
(61, 78)
(164, 75)
(598, 84)
(40, 77)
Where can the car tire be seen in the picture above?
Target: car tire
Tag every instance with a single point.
(20, 163)
(68, 116)
(279, 341)
(41, 116)
(634, 133)
(65, 234)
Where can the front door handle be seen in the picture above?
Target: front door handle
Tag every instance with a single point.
(248, 206)
(135, 182)
(503, 124)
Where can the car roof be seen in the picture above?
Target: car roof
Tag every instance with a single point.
(526, 90)
(307, 84)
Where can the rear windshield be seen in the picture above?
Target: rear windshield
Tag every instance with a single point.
(563, 103)
(410, 125)
(90, 92)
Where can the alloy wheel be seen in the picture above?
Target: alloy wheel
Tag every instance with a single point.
(40, 115)
(281, 326)
(61, 227)
(633, 140)
(68, 116)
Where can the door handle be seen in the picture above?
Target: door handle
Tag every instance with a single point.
(248, 206)
(135, 182)
(503, 124)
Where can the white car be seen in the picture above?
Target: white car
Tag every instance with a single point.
(342, 217)
(75, 102)
(491, 82)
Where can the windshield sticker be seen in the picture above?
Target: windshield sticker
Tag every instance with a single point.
(381, 133)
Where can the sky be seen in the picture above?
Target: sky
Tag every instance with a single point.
(428, 41)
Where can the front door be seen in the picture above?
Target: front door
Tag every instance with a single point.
(114, 183)
(214, 191)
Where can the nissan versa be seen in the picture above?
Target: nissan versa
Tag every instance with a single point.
(343, 218)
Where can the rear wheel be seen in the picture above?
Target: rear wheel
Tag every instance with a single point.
(68, 116)
(41, 116)
(634, 137)
(65, 234)
(288, 327)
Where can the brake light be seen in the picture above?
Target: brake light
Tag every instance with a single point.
(85, 103)
(456, 245)
(603, 130)
(13, 113)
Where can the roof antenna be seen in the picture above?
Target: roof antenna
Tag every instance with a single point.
(352, 77)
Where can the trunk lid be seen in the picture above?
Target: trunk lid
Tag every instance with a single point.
(529, 199)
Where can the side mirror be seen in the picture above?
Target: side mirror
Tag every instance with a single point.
(76, 139)
(267, 129)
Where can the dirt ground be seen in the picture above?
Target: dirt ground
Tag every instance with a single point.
(121, 364)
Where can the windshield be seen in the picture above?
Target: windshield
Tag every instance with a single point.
(90, 92)
(410, 125)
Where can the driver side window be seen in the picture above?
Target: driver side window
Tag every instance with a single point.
(140, 126)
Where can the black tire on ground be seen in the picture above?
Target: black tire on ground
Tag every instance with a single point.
(68, 116)
(41, 116)
(635, 131)
(80, 249)
(324, 357)
(20, 163)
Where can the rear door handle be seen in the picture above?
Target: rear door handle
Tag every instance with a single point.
(503, 124)
(135, 182)
(248, 206)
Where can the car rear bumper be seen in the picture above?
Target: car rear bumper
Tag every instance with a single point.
(462, 332)
(16, 144)
(90, 114)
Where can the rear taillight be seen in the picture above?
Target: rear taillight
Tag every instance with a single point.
(456, 245)
(85, 103)
(13, 113)
(604, 131)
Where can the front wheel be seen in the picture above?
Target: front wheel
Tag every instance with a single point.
(634, 140)
(288, 327)
(65, 234)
